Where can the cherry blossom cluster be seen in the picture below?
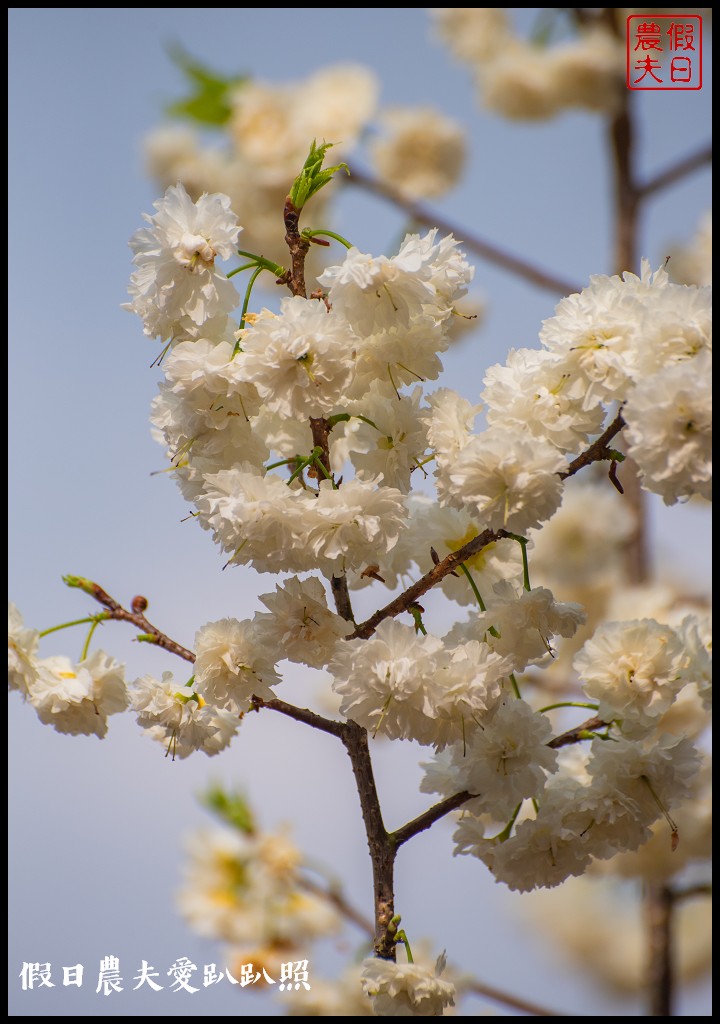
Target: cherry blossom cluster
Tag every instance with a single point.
(301, 438)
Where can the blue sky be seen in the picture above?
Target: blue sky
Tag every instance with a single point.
(96, 827)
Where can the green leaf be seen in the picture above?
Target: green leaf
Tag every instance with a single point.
(231, 807)
(312, 177)
(208, 102)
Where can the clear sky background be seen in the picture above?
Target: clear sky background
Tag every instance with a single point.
(96, 828)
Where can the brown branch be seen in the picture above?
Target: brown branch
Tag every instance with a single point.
(429, 817)
(598, 450)
(660, 975)
(576, 734)
(321, 439)
(381, 846)
(321, 428)
(691, 891)
(465, 984)
(304, 715)
(485, 250)
(380, 843)
(676, 172)
(136, 617)
(426, 582)
(342, 598)
(488, 992)
(298, 247)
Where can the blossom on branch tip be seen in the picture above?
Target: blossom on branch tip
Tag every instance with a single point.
(407, 686)
(669, 429)
(506, 480)
(78, 698)
(299, 624)
(23, 645)
(300, 360)
(506, 761)
(180, 718)
(634, 670)
(405, 990)
(233, 663)
(175, 257)
(520, 626)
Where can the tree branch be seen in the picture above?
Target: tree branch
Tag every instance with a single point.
(304, 715)
(576, 734)
(426, 582)
(429, 817)
(465, 984)
(691, 891)
(380, 843)
(298, 247)
(598, 450)
(676, 172)
(485, 250)
(382, 848)
(658, 915)
(488, 992)
(136, 616)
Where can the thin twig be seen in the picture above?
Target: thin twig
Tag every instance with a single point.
(137, 618)
(691, 891)
(676, 172)
(341, 595)
(598, 450)
(426, 582)
(304, 715)
(421, 214)
(580, 732)
(488, 992)
(429, 817)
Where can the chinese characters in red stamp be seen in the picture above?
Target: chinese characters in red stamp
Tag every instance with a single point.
(664, 51)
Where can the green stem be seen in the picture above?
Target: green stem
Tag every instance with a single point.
(239, 270)
(505, 834)
(316, 458)
(302, 465)
(100, 617)
(568, 704)
(86, 647)
(282, 462)
(311, 233)
(402, 937)
(514, 684)
(246, 303)
(370, 423)
(472, 583)
(522, 541)
(262, 262)
(339, 417)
